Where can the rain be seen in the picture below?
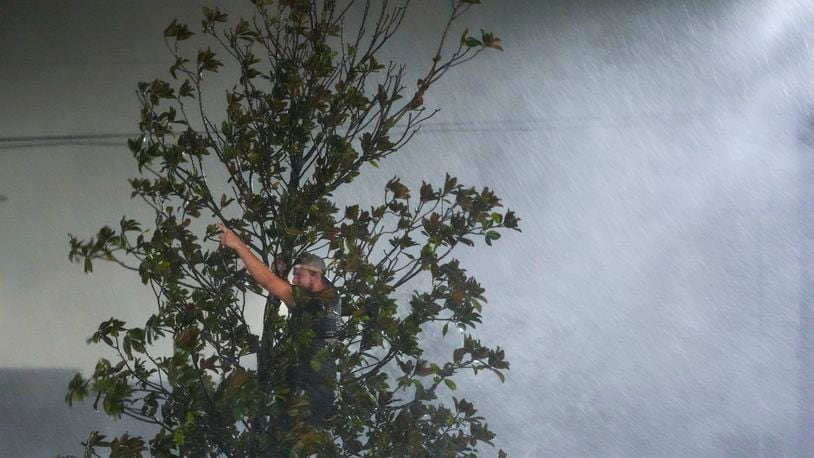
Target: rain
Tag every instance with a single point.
(659, 300)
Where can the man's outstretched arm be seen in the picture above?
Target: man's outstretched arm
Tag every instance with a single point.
(259, 271)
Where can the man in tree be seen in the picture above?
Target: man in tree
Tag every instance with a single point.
(313, 107)
(314, 313)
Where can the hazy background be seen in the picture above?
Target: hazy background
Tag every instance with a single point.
(658, 301)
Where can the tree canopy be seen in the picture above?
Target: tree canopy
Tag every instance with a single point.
(313, 106)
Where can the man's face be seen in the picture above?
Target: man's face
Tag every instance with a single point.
(305, 278)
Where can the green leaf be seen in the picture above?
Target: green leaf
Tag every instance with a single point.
(186, 89)
(178, 436)
(242, 29)
(491, 41)
(426, 192)
(77, 389)
(450, 183)
(510, 220)
(207, 61)
(472, 42)
(398, 189)
(179, 31)
(215, 15)
(450, 384)
(458, 354)
(225, 201)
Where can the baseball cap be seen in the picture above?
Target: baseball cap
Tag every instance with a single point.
(310, 262)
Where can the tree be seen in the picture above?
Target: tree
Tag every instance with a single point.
(312, 108)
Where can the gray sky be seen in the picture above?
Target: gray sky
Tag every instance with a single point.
(651, 149)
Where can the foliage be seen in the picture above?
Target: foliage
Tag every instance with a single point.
(312, 107)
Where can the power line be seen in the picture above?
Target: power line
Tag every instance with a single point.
(491, 126)
(51, 145)
(38, 138)
(49, 141)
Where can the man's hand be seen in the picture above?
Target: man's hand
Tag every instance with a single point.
(228, 238)
(259, 271)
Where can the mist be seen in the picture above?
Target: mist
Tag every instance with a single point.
(659, 299)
